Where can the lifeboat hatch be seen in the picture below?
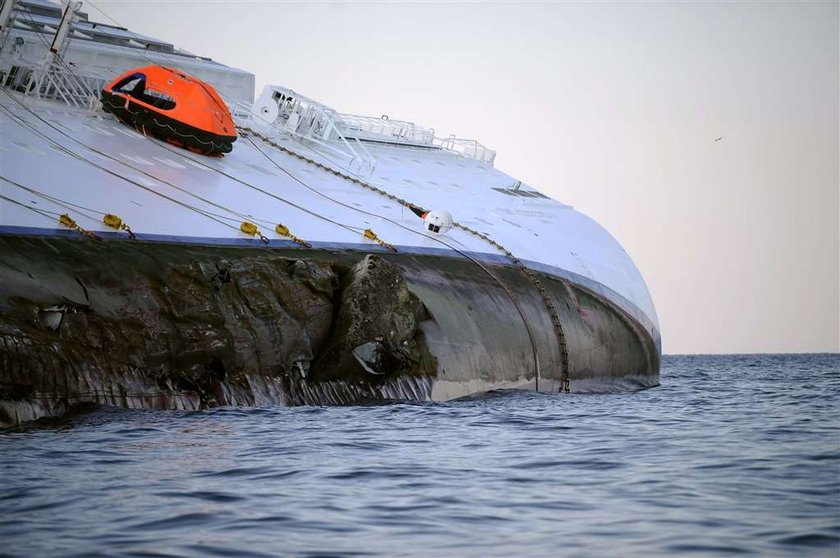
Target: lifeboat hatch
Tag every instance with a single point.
(135, 86)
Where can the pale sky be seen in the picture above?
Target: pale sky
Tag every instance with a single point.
(613, 108)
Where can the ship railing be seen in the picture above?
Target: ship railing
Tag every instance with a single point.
(56, 81)
(312, 122)
(468, 148)
(393, 131)
(309, 122)
(407, 133)
(77, 89)
(49, 76)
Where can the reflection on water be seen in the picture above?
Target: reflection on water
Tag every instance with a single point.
(732, 455)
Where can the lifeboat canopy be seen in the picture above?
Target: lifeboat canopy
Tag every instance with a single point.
(173, 106)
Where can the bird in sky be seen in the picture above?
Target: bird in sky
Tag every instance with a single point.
(720, 138)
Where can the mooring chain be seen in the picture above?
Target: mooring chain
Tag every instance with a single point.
(549, 304)
(532, 277)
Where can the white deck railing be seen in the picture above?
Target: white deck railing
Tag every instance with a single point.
(400, 131)
(76, 87)
(307, 120)
(407, 133)
(287, 112)
(468, 148)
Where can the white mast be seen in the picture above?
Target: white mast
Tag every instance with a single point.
(6, 20)
(62, 35)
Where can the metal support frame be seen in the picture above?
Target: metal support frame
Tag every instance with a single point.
(51, 77)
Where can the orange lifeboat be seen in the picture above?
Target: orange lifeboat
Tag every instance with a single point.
(173, 106)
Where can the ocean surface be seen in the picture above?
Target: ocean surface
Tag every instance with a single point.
(732, 455)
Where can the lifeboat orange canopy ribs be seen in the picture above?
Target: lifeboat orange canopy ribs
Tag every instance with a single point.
(173, 106)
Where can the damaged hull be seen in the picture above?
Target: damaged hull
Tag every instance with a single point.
(163, 326)
(329, 258)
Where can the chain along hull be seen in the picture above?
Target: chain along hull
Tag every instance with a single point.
(158, 325)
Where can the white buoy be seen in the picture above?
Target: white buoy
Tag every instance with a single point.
(438, 221)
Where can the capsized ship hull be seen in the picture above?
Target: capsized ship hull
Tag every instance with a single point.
(293, 269)
(163, 325)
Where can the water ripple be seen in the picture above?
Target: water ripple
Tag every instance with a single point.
(734, 455)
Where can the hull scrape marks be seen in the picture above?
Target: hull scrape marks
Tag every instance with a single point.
(98, 130)
(262, 170)
(137, 159)
(129, 133)
(193, 163)
(55, 122)
(59, 150)
(27, 148)
(169, 162)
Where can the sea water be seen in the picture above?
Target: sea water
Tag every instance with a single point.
(732, 455)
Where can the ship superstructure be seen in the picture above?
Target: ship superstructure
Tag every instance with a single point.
(301, 177)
